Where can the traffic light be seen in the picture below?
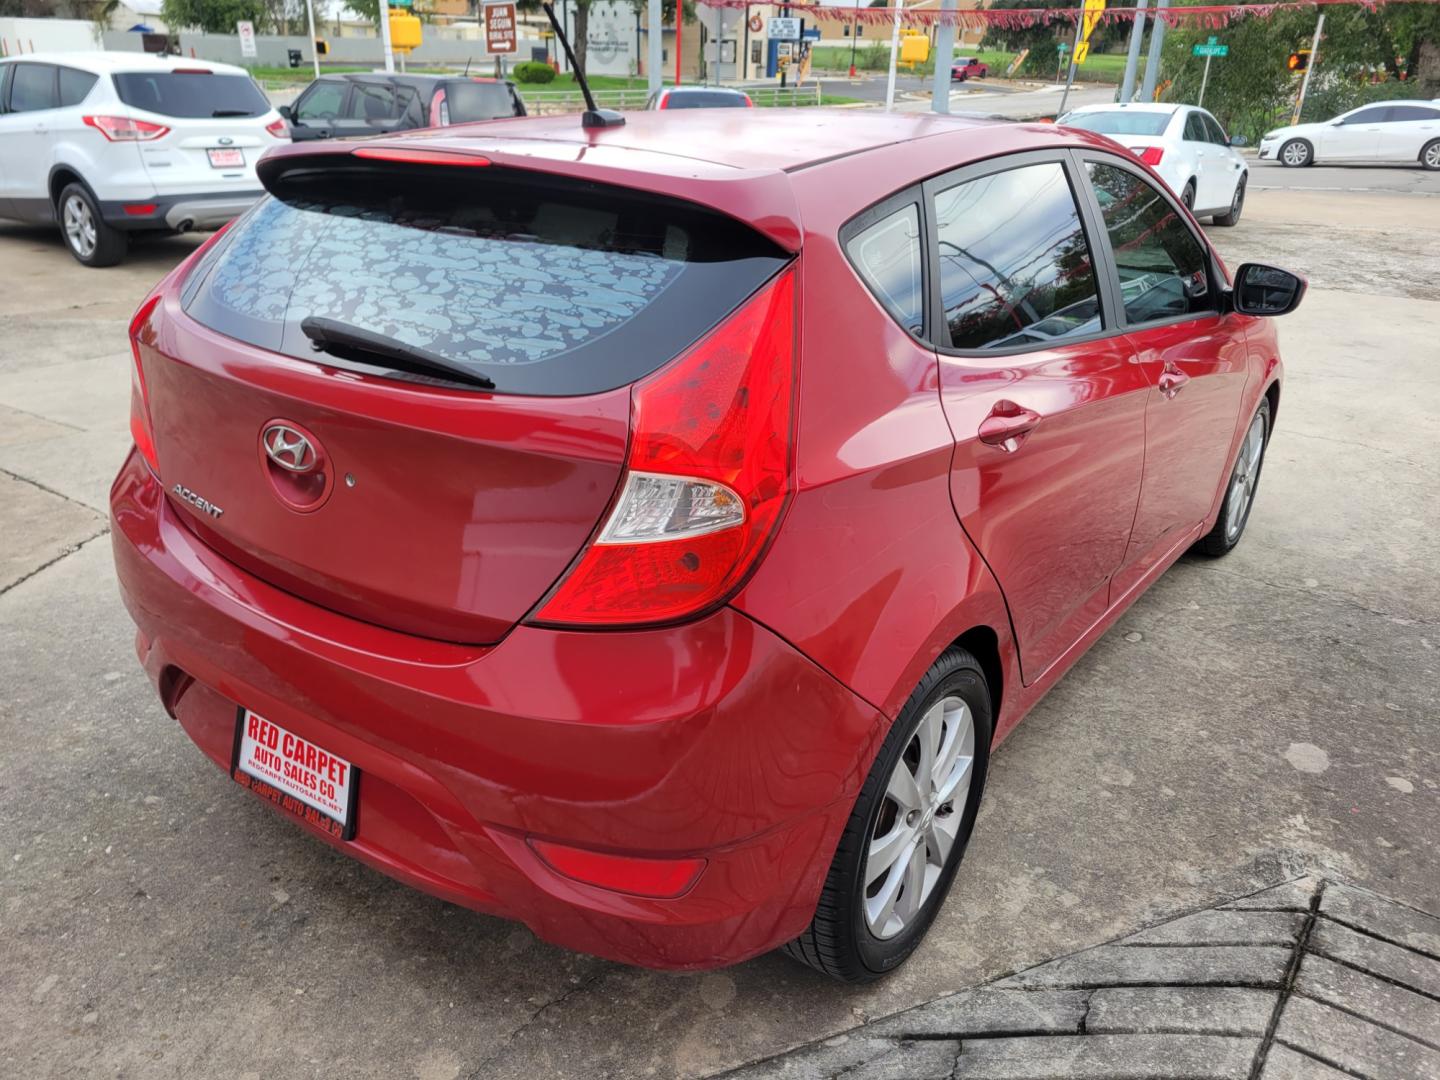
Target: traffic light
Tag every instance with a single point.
(1298, 60)
(322, 47)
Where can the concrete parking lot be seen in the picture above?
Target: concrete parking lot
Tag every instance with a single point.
(1250, 720)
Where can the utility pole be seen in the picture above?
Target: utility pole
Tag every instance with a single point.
(310, 18)
(1305, 82)
(894, 57)
(944, 57)
(654, 46)
(1132, 59)
(1070, 72)
(1152, 65)
(385, 36)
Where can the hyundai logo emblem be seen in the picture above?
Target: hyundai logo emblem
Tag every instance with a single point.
(289, 449)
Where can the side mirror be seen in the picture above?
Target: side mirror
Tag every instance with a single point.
(287, 112)
(1266, 290)
(1239, 140)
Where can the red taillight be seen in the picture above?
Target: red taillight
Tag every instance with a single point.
(1150, 155)
(418, 157)
(748, 103)
(278, 128)
(124, 129)
(140, 429)
(662, 879)
(707, 476)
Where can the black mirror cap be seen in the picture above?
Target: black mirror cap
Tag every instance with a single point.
(286, 112)
(1266, 291)
(1239, 140)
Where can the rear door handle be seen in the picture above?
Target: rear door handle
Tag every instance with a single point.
(1172, 381)
(1007, 425)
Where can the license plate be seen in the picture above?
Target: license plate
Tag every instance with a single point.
(295, 774)
(226, 159)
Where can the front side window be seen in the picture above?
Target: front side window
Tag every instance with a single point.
(1162, 266)
(888, 256)
(322, 103)
(32, 87)
(1375, 115)
(1015, 267)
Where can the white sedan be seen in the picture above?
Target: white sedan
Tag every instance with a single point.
(1185, 145)
(1394, 131)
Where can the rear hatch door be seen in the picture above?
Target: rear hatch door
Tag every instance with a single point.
(421, 500)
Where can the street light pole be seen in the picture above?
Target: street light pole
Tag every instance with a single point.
(1157, 40)
(894, 57)
(310, 17)
(1070, 72)
(944, 57)
(1305, 82)
(1132, 58)
(385, 35)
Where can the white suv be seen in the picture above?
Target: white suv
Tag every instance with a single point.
(110, 143)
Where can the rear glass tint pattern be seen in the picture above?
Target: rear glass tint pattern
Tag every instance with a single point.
(544, 288)
(192, 96)
(1015, 267)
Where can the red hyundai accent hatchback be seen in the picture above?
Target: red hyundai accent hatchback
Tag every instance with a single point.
(647, 533)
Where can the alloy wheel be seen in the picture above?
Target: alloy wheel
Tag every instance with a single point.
(1247, 475)
(919, 821)
(1238, 199)
(79, 226)
(1295, 153)
(1432, 156)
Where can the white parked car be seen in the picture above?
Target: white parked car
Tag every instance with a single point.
(110, 143)
(1185, 145)
(1394, 131)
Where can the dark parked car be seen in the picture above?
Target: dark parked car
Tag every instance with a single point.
(699, 97)
(968, 67)
(341, 106)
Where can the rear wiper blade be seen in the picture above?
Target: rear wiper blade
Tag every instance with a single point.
(341, 339)
(232, 112)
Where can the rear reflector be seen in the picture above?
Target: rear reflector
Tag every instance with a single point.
(124, 129)
(1150, 155)
(139, 209)
(419, 157)
(707, 476)
(662, 879)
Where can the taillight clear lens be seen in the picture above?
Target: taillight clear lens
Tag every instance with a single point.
(140, 430)
(708, 476)
(124, 129)
(278, 128)
(1151, 155)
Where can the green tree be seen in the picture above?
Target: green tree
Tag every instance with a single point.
(1042, 38)
(213, 16)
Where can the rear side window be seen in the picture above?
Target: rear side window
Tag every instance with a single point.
(1015, 267)
(544, 285)
(705, 99)
(75, 85)
(1215, 131)
(888, 256)
(1162, 266)
(468, 101)
(1405, 113)
(1120, 122)
(1195, 128)
(32, 87)
(191, 95)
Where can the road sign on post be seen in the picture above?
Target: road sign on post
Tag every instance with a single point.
(500, 28)
(1210, 49)
(783, 29)
(246, 30)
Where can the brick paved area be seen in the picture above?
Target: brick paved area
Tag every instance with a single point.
(1309, 980)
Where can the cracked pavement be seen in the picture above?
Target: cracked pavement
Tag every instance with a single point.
(1248, 720)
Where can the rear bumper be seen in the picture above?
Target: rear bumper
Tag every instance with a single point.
(180, 212)
(715, 739)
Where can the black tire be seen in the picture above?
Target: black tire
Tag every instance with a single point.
(1300, 154)
(1188, 195)
(1430, 155)
(76, 212)
(1237, 204)
(1221, 540)
(838, 942)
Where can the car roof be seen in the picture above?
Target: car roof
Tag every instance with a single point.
(105, 63)
(763, 139)
(407, 80)
(1133, 106)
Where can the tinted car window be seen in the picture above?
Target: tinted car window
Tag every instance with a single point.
(545, 285)
(467, 101)
(1162, 265)
(75, 85)
(1376, 115)
(704, 99)
(1215, 131)
(1403, 113)
(1195, 128)
(373, 102)
(32, 87)
(1015, 267)
(1120, 122)
(322, 103)
(888, 256)
(191, 94)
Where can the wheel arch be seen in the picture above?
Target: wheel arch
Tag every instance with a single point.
(983, 643)
(61, 177)
(1272, 394)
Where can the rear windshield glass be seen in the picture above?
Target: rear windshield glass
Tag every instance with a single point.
(469, 101)
(705, 99)
(543, 285)
(1120, 122)
(191, 95)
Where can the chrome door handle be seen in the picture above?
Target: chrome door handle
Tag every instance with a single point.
(1171, 382)
(1007, 425)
